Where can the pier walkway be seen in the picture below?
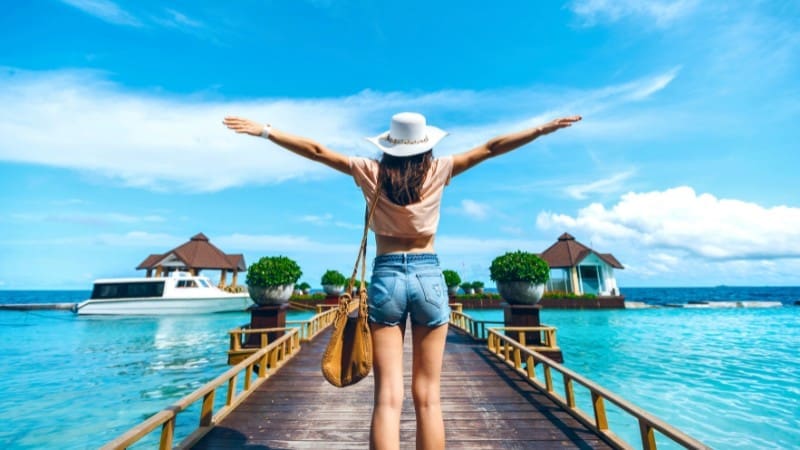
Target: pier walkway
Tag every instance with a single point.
(485, 403)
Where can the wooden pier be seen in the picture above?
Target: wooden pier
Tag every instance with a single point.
(485, 403)
(497, 393)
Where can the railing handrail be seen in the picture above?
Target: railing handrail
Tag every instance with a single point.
(166, 417)
(647, 421)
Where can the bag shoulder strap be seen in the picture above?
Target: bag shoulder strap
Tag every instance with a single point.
(362, 251)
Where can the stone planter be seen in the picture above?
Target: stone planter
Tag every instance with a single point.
(271, 295)
(520, 292)
(332, 289)
(452, 291)
(479, 290)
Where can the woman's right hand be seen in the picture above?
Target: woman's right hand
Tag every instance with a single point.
(557, 124)
(242, 125)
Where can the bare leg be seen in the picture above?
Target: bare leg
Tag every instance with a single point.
(387, 362)
(425, 385)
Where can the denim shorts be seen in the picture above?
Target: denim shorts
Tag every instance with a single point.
(408, 283)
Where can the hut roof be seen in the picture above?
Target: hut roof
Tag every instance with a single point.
(567, 252)
(198, 253)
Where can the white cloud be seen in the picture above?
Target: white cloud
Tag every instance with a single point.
(285, 243)
(474, 209)
(86, 218)
(328, 220)
(661, 12)
(604, 186)
(105, 10)
(679, 219)
(171, 143)
(130, 239)
(485, 248)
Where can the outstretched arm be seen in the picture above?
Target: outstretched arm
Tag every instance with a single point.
(302, 146)
(506, 143)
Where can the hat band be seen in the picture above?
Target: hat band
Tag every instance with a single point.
(406, 141)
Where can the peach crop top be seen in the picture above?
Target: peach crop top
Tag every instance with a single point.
(410, 221)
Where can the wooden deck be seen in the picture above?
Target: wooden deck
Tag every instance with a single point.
(486, 405)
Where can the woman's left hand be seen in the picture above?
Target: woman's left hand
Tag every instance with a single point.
(242, 125)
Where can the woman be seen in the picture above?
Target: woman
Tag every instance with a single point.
(406, 279)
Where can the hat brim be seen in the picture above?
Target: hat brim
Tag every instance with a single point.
(434, 136)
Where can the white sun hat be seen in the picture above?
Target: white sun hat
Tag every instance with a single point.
(408, 135)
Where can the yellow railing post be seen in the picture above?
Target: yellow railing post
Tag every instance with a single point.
(167, 434)
(548, 379)
(569, 391)
(531, 366)
(231, 390)
(599, 406)
(648, 437)
(207, 410)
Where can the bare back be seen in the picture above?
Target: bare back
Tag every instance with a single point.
(392, 244)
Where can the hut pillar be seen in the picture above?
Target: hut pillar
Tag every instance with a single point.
(235, 276)
(149, 273)
(159, 270)
(223, 278)
(576, 287)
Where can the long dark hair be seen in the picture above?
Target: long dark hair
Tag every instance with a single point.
(401, 177)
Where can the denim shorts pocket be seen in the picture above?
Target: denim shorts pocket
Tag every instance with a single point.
(433, 287)
(381, 289)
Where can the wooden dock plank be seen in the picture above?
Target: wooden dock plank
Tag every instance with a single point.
(485, 404)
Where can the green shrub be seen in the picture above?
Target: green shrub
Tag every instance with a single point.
(304, 286)
(333, 278)
(477, 284)
(451, 278)
(273, 271)
(520, 266)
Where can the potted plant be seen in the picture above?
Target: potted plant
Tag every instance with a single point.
(477, 286)
(271, 280)
(452, 280)
(304, 287)
(333, 282)
(520, 277)
(467, 288)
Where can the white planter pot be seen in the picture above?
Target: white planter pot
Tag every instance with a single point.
(332, 289)
(452, 291)
(271, 295)
(520, 292)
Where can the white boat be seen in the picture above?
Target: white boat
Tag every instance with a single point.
(180, 293)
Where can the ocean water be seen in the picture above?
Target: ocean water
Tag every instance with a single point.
(729, 377)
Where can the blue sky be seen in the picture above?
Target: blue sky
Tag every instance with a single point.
(685, 166)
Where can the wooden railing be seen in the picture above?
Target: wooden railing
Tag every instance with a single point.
(475, 328)
(524, 361)
(264, 362)
(309, 329)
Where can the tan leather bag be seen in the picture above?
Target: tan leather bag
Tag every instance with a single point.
(348, 356)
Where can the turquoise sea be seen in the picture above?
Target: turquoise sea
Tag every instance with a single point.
(727, 376)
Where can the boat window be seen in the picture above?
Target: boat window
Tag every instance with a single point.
(128, 290)
(203, 283)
